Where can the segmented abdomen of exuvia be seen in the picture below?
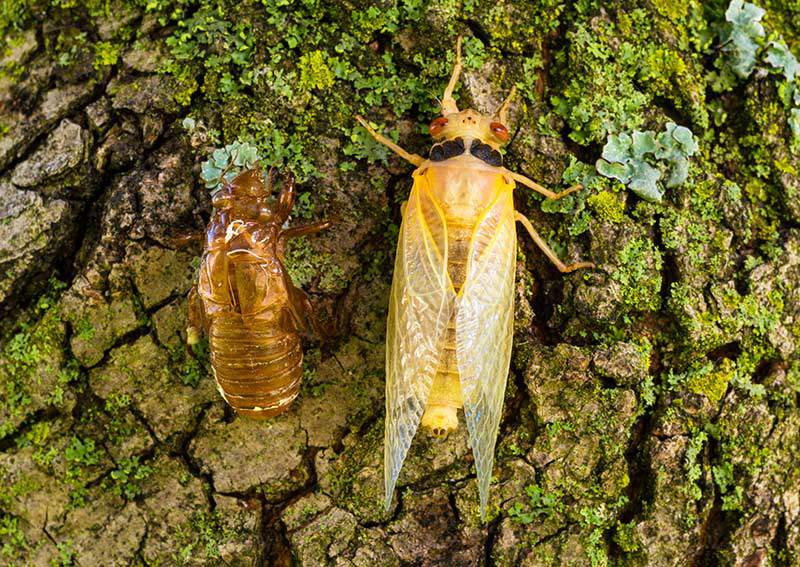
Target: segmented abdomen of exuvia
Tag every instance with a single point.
(257, 366)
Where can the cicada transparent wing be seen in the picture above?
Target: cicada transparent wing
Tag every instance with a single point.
(420, 306)
(485, 328)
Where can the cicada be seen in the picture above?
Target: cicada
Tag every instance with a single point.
(245, 300)
(450, 324)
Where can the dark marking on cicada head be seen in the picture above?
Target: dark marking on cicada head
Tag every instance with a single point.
(447, 149)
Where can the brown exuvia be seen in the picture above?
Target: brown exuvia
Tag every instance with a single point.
(245, 300)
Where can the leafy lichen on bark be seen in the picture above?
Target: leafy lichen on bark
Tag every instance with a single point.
(652, 414)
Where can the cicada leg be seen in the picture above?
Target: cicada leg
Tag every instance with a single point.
(184, 239)
(196, 318)
(409, 157)
(303, 229)
(304, 316)
(544, 191)
(562, 267)
(286, 197)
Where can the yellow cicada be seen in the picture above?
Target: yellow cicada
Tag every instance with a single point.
(451, 311)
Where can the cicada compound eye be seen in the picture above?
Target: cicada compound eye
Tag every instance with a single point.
(437, 125)
(500, 132)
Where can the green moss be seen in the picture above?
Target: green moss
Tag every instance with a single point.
(732, 494)
(14, 15)
(192, 368)
(600, 97)
(607, 206)
(81, 454)
(712, 382)
(66, 555)
(84, 329)
(305, 265)
(127, 479)
(626, 538)
(204, 534)
(593, 522)
(30, 356)
(672, 9)
(314, 71)
(106, 54)
(12, 538)
(693, 467)
(540, 504)
(639, 274)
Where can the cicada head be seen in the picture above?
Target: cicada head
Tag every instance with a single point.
(250, 196)
(470, 124)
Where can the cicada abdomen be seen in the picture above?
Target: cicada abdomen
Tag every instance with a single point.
(244, 299)
(450, 326)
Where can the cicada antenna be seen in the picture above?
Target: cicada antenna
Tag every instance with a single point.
(449, 105)
(502, 113)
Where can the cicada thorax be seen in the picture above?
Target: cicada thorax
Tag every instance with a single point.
(255, 348)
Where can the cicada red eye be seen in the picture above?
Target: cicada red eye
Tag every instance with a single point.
(500, 132)
(436, 126)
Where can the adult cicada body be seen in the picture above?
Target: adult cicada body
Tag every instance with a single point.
(450, 325)
(245, 301)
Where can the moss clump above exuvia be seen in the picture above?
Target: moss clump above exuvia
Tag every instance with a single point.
(228, 162)
(304, 264)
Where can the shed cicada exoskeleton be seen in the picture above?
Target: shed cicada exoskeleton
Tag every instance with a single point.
(450, 324)
(246, 302)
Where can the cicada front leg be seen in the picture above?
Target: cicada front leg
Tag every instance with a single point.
(562, 267)
(286, 196)
(543, 190)
(303, 229)
(408, 156)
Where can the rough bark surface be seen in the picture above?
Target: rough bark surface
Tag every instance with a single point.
(651, 416)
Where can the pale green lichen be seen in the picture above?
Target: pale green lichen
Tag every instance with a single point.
(641, 159)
